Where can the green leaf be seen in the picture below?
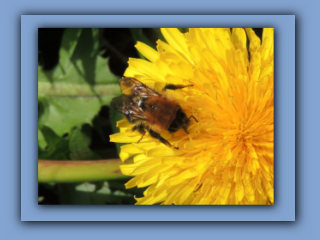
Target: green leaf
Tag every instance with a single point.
(159, 34)
(120, 185)
(41, 140)
(183, 30)
(68, 112)
(138, 35)
(86, 187)
(80, 140)
(73, 92)
(85, 194)
(115, 117)
(43, 111)
(57, 148)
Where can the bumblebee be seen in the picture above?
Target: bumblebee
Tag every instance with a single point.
(149, 110)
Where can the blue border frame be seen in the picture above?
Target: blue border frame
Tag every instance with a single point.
(284, 208)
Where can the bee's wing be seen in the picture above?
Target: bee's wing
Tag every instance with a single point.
(133, 87)
(118, 102)
(126, 106)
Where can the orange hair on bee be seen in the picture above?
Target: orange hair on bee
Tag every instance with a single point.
(150, 110)
(162, 111)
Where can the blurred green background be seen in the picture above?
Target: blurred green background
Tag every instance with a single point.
(78, 74)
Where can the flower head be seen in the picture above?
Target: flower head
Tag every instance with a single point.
(227, 157)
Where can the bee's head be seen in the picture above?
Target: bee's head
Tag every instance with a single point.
(181, 121)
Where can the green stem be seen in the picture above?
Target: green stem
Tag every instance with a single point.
(78, 171)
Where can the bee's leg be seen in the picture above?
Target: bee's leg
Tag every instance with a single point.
(141, 129)
(142, 136)
(185, 129)
(193, 118)
(175, 87)
(161, 139)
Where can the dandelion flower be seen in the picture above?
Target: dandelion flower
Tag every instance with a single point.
(227, 157)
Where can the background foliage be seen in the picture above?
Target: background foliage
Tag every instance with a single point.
(78, 74)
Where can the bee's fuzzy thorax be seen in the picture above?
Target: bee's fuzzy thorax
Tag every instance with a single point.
(150, 110)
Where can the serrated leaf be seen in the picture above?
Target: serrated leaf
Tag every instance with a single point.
(41, 141)
(68, 112)
(56, 148)
(80, 139)
(43, 111)
(73, 92)
(68, 45)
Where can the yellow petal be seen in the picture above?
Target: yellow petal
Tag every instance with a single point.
(239, 191)
(249, 192)
(224, 193)
(124, 156)
(254, 40)
(147, 51)
(184, 193)
(123, 138)
(146, 68)
(162, 151)
(176, 39)
(123, 124)
(239, 38)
